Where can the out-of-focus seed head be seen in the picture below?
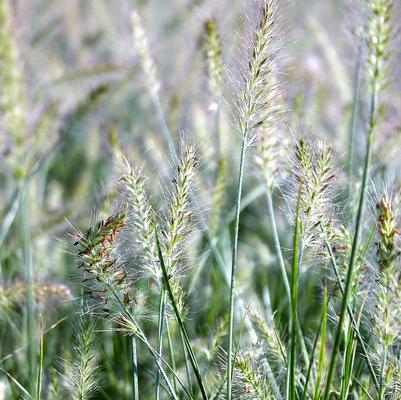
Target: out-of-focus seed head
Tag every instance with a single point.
(13, 101)
(388, 249)
(142, 47)
(213, 52)
(379, 35)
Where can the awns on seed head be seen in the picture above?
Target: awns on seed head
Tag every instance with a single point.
(96, 254)
(312, 184)
(254, 103)
(388, 243)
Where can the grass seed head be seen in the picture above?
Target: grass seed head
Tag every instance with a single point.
(142, 47)
(379, 35)
(140, 221)
(255, 99)
(314, 180)
(84, 369)
(13, 101)
(178, 221)
(388, 249)
(213, 52)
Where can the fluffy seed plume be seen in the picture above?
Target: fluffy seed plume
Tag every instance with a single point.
(270, 153)
(96, 250)
(269, 337)
(178, 222)
(314, 174)
(385, 294)
(388, 249)
(142, 47)
(139, 220)
(388, 294)
(250, 380)
(83, 374)
(254, 102)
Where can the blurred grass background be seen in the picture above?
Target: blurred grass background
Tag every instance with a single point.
(85, 92)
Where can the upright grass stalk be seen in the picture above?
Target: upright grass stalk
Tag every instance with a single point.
(294, 302)
(352, 317)
(170, 344)
(30, 304)
(321, 332)
(134, 355)
(160, 327)
(378, 39)
(40, 364)
(253, 110)
(320, 368)
(233, 269)
(354, 249)
(354, 119)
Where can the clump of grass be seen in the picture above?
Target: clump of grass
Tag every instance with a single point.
(380, 27)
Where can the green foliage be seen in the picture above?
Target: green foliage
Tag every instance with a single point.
(158, 186)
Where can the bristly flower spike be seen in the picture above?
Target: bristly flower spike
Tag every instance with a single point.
(254, 103)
